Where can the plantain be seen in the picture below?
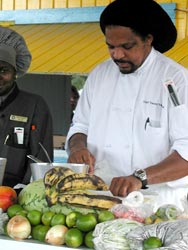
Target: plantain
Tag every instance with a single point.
(81, 181)
(88, 200)
(51, 178)
(51, 196)
(65, 186)
(53, 175)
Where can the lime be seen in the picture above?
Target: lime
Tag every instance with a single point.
(34, 231)
(152, 243)
(86, 222)
(88, 240)
(47, 217)
(22, 212)
(105, 215)
(13, 210)
(39, 232)
(34, 217)
(71, 219)
(58, 219)
(74, 237)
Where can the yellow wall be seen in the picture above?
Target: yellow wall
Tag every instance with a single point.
(41, 4)
(181, 11)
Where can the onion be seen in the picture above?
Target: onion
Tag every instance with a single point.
(18, 227)
(56, 235)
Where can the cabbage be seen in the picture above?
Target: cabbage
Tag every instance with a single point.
(33, 197)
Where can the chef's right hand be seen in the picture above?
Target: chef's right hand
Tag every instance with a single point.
(83, 156)
(123, 185)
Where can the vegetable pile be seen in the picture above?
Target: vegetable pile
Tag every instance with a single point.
(124, 226)
(74, 229)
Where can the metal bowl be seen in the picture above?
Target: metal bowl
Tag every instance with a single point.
(3, 162)
(38, 170)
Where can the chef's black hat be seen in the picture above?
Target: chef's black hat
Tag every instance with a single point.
(143, 16)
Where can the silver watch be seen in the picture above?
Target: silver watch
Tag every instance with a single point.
(142, 176)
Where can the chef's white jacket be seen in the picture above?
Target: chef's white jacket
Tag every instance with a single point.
(130, 121)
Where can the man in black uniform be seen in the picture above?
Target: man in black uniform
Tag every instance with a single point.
(73, 99)
(25, 119)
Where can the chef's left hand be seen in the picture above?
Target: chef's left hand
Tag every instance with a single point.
(122, 186)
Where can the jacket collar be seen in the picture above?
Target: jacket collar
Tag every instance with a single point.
(8, 98)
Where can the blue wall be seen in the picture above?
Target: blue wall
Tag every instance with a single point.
(63, 15)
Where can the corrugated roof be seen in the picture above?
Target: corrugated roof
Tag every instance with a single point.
(64, 48)
(179, 52)
(74, 48)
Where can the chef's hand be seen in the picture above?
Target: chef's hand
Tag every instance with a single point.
(83, 156)
(122, 186)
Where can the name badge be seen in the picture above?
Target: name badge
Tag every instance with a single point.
(18, 118)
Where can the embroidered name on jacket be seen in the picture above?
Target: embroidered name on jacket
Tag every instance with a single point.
(154, 103)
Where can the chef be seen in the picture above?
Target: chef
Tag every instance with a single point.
(25, 119)
(131, 121)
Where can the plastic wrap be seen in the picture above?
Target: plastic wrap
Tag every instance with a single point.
(3, 220)
(174, 235)
(112, 234)
(135, 206)
(168, 212)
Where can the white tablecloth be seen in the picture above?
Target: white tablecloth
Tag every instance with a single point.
(10, 244)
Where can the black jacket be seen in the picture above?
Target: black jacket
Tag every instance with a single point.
(28, 111)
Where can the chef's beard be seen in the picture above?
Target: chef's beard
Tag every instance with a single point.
(129, 70)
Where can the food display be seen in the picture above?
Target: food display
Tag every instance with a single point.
(63, 186)
(77, 210)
